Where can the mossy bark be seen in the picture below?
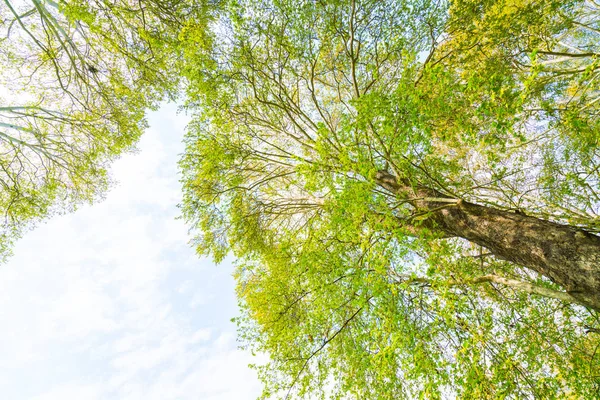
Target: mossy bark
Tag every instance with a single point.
(567, 255)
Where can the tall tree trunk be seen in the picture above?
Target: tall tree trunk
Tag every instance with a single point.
(567, 255)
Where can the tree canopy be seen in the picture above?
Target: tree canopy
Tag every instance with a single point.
(77, 77)
(410, 189)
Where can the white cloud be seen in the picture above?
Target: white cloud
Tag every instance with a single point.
(71, 391)
(111, 303)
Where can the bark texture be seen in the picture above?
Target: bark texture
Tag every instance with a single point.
(569, 256)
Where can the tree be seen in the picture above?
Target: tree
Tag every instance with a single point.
(411, 190)
(77, 77)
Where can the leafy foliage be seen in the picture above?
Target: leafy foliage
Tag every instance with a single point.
(328, 135)
(348, 287)
(77, 77)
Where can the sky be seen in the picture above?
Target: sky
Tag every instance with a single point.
(110, 302)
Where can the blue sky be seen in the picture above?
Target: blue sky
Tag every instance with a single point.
(110, 302)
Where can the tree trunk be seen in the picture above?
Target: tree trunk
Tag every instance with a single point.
(567, 255)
